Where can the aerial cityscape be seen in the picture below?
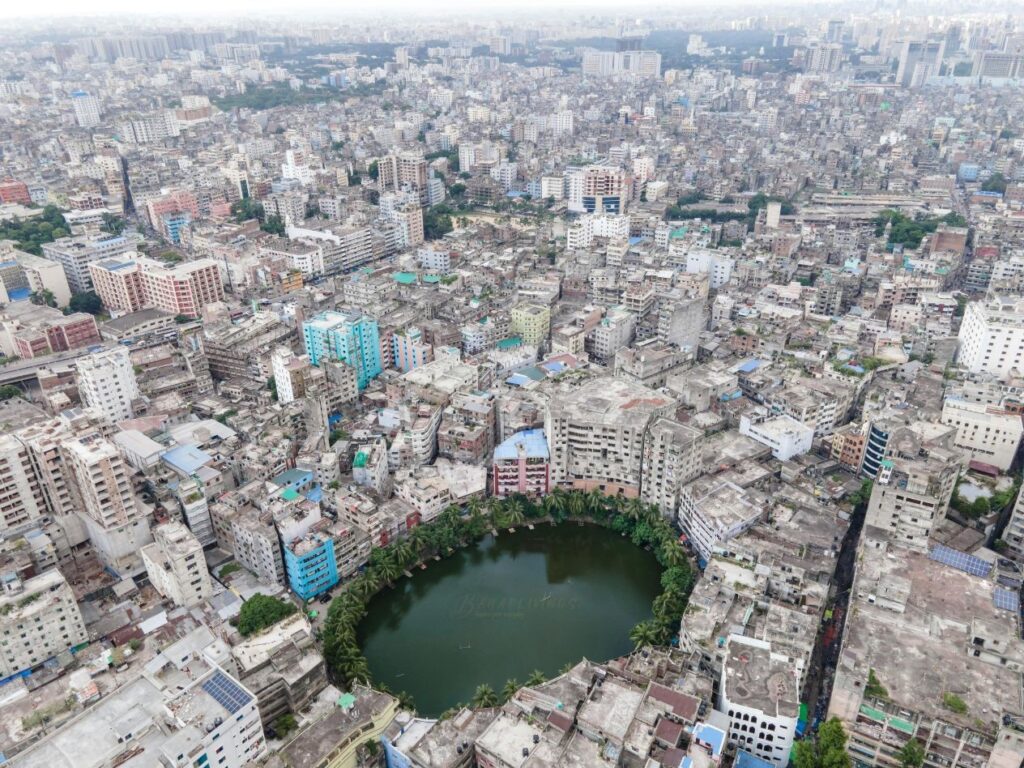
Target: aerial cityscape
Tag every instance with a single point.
(572, 386)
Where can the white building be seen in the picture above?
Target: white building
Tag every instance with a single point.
(176, 566)
(433, 260)
(786, 436)
(716, 266)
(759, 693)
(87, 109)
(106, 382)
(183, 710)
(39, 618)
(992, 336)
(712, 512)
(984, 432)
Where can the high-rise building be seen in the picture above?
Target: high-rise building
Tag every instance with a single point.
(176, 567)
(76, 253)
(350, 338)
(21, 494)
(597, 189)
(992, 337)
(596, 433)
(106, 502)
(919, 60)
(87, 109)
(128, 285)
(106, 382)
(39, 619)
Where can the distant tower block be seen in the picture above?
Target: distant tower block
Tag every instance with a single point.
(772, 214)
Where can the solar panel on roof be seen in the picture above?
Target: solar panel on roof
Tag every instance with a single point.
(226, 692)
(954, 558)
(1006, 600)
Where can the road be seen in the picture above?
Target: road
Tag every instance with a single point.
(820, 674)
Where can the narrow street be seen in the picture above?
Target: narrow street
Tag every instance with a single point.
(818, 683)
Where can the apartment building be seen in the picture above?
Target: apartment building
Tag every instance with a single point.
(128, 285)
(596, 431)
(910, 497)
(176, 567)
(992, 337)
(531, 323)
(39, 618)
(106, 382)
(714, 511)
(75, 254)
(103, 488)
(21, 493)
(984, 433)
(671, 458)
(350, 338)
(522, 465)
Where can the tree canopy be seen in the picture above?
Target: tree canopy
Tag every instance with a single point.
(86, 302)
(828, 750)
(262, 611)
(31, 234)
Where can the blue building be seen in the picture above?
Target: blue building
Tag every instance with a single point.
(352, 339)
(310, 564)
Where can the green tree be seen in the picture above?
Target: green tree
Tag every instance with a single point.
(484, 696)
(44, 297)
(261, 611)
(274, 224)
(285, 724)
(85, 302)
(995, 183)
(828, 750)
(374, 170)
(645, 633)
(246, 209)
(536, 678)
(911, 755)
(8, 391)
(508, 690)
(112, 223)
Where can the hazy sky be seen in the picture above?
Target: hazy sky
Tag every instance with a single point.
(340, 8)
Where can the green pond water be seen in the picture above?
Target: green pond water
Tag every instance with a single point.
(505, 607)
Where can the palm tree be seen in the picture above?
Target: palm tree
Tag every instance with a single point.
(577, 505)
(514, 513)
(403, 553)
(644, 633)
(672, 555)
(389, 570)
(536, 678)
(595, 502)
(484, 696)
(508, 690)
(364, 587)
(405, 700)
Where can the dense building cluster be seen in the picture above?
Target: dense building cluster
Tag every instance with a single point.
(272, 299)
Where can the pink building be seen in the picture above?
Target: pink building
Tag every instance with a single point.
(521, 465)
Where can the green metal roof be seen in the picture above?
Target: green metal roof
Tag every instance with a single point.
(289, 494)
(405, 278)
(360, 460)
(510, 343)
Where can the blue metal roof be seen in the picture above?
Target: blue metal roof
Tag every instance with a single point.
(186, 459)
(534, 442)
(747, 760)
(713, 737)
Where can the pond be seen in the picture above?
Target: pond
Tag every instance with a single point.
(504, 607)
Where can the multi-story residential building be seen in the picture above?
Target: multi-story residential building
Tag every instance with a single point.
(87, 109)
(614, 331)
(893, 679)
(102, 486)
(309, 562)
(75, 254)
(22, 498)
(984, 433)
(106, 382)
(910, 497)
(522, 465)
(251, 537)
(598, 189)
(39, 619)
(183, 710)
(992, 337)
(761, 697)
(128, 285)
(671, 458)
(176, 567)
(712, 512)
(409, 350)
(532, 323)
(596, 432)
(786, 436)
(47, 330)
(289, 374)
(195, 510)
(350, 338)
(23, 274)
(241, 350)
